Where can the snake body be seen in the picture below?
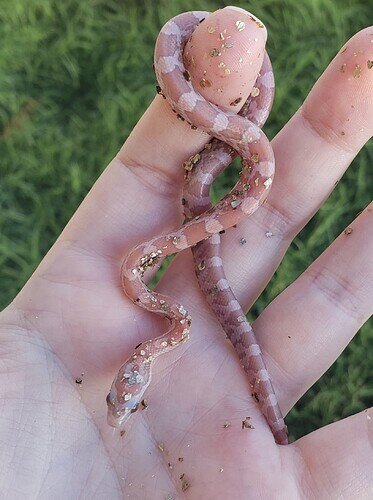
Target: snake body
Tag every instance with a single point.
(234, 134)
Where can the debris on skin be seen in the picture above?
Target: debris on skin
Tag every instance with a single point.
(255, 396)
(246, 424)
(226, 424)
(79, 380)
(201, 266)
(348, 230)
(144, 403)
(180, 459)
(243, 241)
(343, 68)
(205, 83)
(215, 53)
(236, 101)
(255, 92)
(221, 469)
(169, 497)
(289, 337)
(170, 466)
(357, 71)
(240, 25)
(269, 234)
(161, 447)
(184, 485)
(189, 164)
(122, 433)
(369, 64)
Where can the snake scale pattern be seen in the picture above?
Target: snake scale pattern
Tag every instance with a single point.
(233, 135)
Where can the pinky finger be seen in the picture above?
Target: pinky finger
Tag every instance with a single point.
(336, 461)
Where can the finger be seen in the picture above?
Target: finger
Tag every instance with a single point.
(308, 165)
(309, 324)
(336, 461)
(311, 156)
(138, 196)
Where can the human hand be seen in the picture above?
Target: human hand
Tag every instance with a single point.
(73, 317)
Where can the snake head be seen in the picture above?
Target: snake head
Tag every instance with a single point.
(127, 391)
(118, 413)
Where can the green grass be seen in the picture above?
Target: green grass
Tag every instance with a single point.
(76, 76)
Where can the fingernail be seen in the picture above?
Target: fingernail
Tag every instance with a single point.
(224, 56)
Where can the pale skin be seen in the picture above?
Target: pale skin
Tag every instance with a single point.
(72, 317)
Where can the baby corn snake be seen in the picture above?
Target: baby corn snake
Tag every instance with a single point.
(233, 134)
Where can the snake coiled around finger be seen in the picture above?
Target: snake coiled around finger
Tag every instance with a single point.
(233, 135)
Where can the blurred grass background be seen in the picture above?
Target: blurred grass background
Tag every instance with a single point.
(76, 75)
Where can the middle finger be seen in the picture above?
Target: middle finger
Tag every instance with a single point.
(312, 152)
(311, 155)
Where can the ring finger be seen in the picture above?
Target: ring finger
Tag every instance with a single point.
(314, 319)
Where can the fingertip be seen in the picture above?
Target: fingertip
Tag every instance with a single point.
(224, 56)
(340, 106)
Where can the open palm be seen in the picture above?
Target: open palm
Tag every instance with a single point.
(72, 318)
